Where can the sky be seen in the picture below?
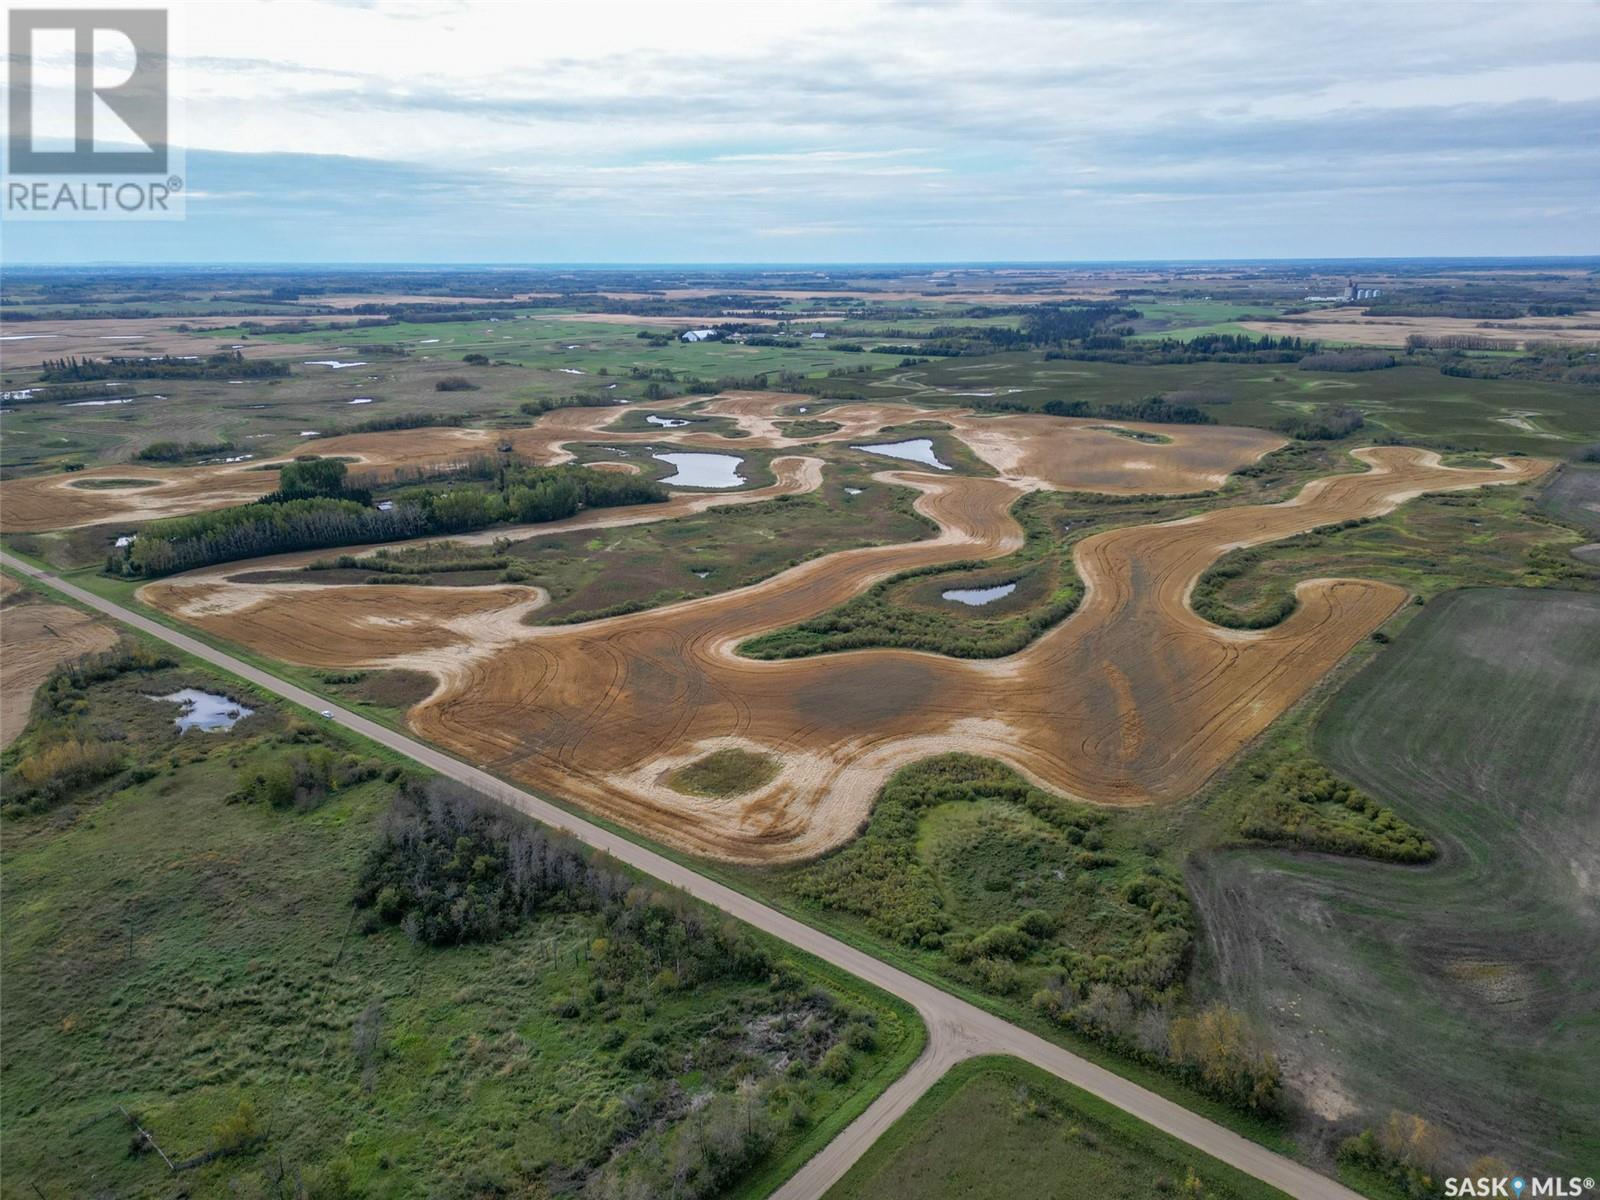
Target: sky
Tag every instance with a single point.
(868, 132)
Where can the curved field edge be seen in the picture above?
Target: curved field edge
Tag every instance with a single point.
(881, 618)
(902, 1033)
(812, 710)
(1437, 542)
(1070, 1126)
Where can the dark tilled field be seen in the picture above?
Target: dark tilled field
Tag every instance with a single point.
(1465, 991)
(1574, 496)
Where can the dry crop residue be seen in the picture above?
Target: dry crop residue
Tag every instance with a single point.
(35, 638)
(1133, 699)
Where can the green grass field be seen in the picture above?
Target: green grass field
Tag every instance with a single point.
(1411, 401)
(540, 338)
(180, 953)
(1491, 537)
(722, 773)
(549, 358)
(1465, 990)
(998, 1126)
(544, 358)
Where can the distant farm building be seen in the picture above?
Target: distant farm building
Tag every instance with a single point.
(818, 335)
(699, 335)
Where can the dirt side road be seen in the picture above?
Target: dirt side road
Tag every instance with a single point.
(956, 1029)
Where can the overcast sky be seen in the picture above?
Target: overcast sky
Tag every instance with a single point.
(766, 132)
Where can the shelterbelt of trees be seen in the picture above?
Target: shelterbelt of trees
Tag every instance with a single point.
(316, 507)
(225, 365)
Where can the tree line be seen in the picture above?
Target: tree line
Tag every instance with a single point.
(1155, 410)
(315, 507)
(226, 365)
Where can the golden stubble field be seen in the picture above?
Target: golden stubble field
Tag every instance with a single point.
(1358, 328)
(35, 638)
(1134, 699)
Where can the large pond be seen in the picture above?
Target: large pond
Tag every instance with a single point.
(975, 597)
(917, 450)
(703, 470)
(205, 710)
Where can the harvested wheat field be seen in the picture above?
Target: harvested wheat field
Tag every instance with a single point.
(35, 638)
(1358, 328)
(1134, 699)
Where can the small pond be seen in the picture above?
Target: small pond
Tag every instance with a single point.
(917, 450)
(665, 422)
(205, 710)
(974, 597)
(703, 470)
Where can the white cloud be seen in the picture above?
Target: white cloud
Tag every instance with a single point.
(1032, 130)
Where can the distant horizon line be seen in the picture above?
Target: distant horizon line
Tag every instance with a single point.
(799, 264)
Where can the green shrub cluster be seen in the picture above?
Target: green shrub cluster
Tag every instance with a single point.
(872, 619)
(544, 404)
(429, 558)
(1272, 609)
(875, 619)
(303, 779)
(169, 452)
(1107, 959)
(1327, 424)
(883, 879)
(450, 869)
(1206, 598)
(1349, 360)
(1297, 801)
(1412, 1155)
(54, 770)
(413, 420)
(1223, 1054)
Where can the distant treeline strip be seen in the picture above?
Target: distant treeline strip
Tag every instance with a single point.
(417, 420)
(227, 365)
(1152, 409)
(1206, 347)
